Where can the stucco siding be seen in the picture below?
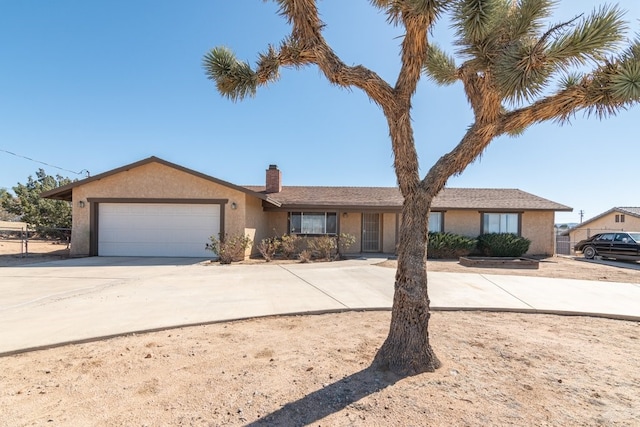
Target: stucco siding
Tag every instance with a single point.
(277, 223)
(538, 227)
(256, 223)
(80, 224)
(352, 224)
(389, 233)
(463, 222)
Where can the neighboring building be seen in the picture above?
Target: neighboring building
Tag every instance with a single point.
(615, 219)
(156, 208)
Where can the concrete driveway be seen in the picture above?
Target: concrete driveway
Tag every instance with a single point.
(82, 299)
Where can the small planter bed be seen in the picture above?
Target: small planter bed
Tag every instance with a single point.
(499, 262)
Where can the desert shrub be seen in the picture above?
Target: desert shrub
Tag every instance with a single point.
(305, 256)
(230, 248)
(503, 245)
(323, 247)
(289, 245)
(449, 245)
(268, 247)
(345, 241)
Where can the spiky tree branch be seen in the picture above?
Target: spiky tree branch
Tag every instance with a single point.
(305, 46)
(514, 61)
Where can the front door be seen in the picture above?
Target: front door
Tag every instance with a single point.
(370, 232)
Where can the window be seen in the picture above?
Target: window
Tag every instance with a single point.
(622, 237)
(313, 223)
(620, 218)
(606, 237)
(501, 223)
(435, 222)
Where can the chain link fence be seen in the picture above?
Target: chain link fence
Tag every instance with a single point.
(20, 241)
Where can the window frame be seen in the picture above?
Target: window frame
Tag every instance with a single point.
(326, 214)
(518, 219)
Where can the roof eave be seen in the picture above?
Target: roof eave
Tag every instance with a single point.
(65, 192)
(323, 207)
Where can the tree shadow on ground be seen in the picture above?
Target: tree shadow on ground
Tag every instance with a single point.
(329, 399)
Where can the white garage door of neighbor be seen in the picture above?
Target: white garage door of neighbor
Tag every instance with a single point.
(156, 229)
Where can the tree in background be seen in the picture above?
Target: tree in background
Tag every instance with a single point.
(509, 57)
(43, 215)
(4, 215)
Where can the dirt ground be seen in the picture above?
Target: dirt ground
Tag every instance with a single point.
(497, 369)
(14, 252)
(559, 266)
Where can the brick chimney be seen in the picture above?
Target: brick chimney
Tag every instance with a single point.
(274, 179)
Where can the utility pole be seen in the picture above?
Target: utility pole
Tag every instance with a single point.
(581, 215)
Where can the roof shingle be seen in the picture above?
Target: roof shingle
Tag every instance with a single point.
(390, 197)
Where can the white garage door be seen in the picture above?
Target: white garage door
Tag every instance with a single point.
(156, 229)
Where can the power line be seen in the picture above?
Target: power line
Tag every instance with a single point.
(82, 172)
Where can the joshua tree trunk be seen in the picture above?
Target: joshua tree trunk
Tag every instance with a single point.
(406, 350)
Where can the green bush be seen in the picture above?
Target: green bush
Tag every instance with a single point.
(230, 248)
(449, 245)
(503, 245)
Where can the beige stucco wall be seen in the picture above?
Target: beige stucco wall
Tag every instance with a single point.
(389, 233)
(152, 181)
(465, 223)
(352, 224)
(256, 225)
(537, 226)
(603, 224)
(276, 223)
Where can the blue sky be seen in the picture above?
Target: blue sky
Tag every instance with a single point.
(94, 85)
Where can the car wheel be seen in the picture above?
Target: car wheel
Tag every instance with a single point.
(589, 252)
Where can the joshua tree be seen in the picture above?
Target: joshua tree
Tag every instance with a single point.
(508, 57)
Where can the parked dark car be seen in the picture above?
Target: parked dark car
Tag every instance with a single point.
(619, 245)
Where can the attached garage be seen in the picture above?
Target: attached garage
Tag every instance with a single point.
(156, 229)
(155, 208)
